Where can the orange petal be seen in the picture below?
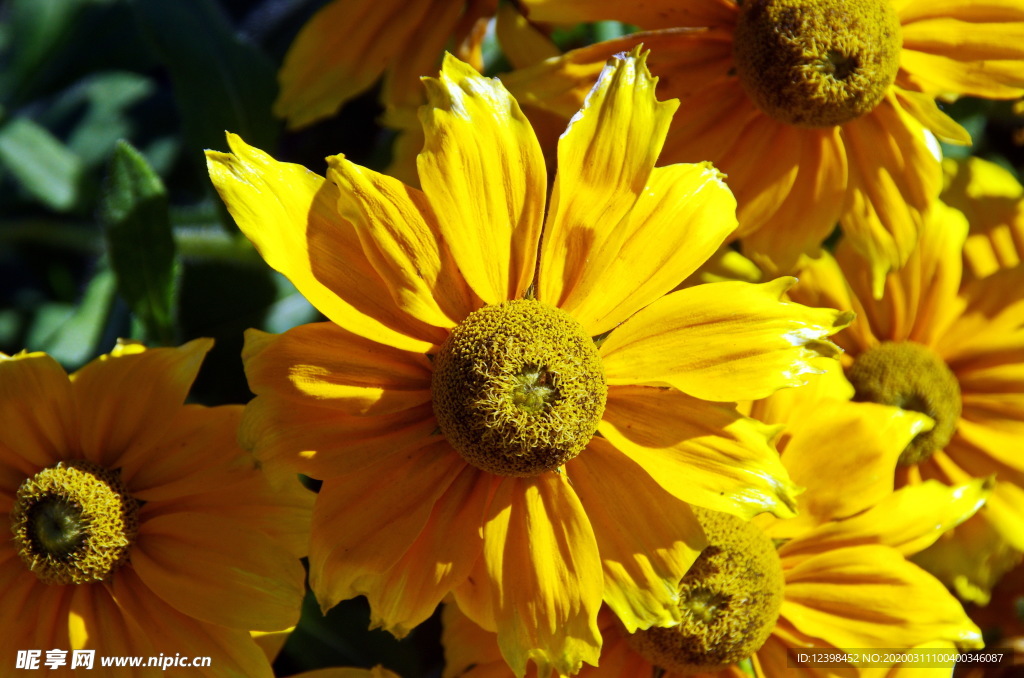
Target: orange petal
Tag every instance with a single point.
(442, 556)
(645, 548)
(722, 341)
(37, 417)
(545, 571)
(322, 442)
(644, 14)
(470, 651)
(219, 570)
(117, 414)
(702, 453)
(333, 368)
(482, 170)
(364, 522)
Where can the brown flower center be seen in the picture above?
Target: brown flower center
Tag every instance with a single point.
(909, 375)
(74, 523)
(730, 600)
(817, 63)
(518, 388)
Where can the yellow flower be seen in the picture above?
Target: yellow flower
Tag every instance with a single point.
(471, 436)
(346, 47)
(954, 352)
(814, 119)
(993, 201)
(138, 526)
(835, 577)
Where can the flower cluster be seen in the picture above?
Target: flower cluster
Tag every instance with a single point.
(678, 352)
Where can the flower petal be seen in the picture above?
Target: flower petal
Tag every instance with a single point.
(232, 652)
(290, 214)
(703, 453)
(482, 170)
(605, 158)
(722, 341)
(322, 70)
(647, 547)
(443, 554)
(322, 442)
(678, 222)
(336, 369)
(545, 572)
(868, 596)
(853, 443)
(115, 414)
(908, 520)
(470, 651)
(364, 522)
(37, 416)
(644, 14)
(894, 176)
(219, 570)
(400, 237)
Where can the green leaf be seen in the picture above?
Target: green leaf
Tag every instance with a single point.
(220, 81)
(71, 334)
(44, 166)
(107, 97)
(134, 213)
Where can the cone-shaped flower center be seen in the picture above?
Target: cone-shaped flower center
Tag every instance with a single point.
(817, 63)
(908, 375)
(73, 523)
(518, 388)
(730, 601)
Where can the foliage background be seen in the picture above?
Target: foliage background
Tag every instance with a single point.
(109, 226)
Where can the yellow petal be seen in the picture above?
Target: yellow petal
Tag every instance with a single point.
(482, 170)
(928, 113)
(117, 415)
(336, 369)
(894, 176)
(364, 522)
(868, 596)
(543, 562)
(340, 52)
(853, 444)
(219, 570)
(703, 453)
(400, 237)
(290, 214)
(421, 52)
(469, 649)
(907, 520)
(605, 158)
(443, 554)
(722, 341)
(522, 43)
(646, 547)
(684, 214)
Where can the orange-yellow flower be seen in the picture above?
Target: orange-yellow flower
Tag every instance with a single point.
(818, 111)
(472, 437)
(138, 526)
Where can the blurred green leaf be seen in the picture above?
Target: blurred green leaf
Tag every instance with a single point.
(41, 163)
(137, 222)
(71, 334)
(220, 82)
(107, 98)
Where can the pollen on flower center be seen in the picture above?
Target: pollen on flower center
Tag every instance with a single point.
(729, 600)
(518, 388)
(817, 63)
(908, 375)
(74, 522)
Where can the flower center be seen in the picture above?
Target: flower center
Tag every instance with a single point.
(518, 388)
(817, 63)
(908, 375)
(73, 523)
(730, 600)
